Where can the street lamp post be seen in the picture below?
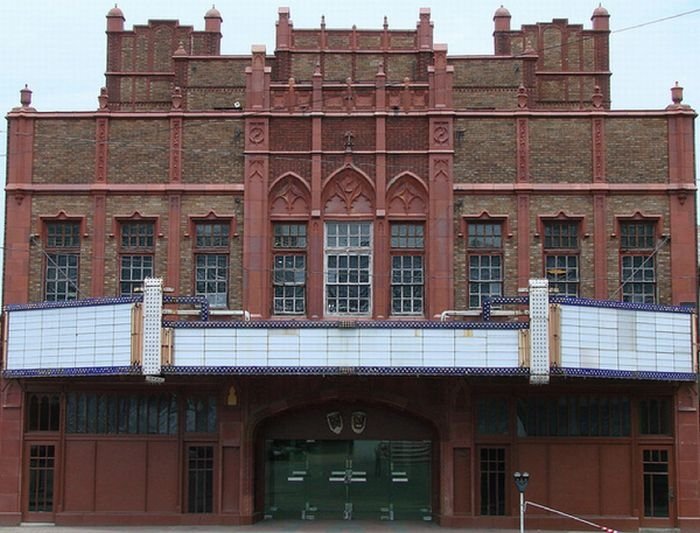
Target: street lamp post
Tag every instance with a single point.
(521, 481)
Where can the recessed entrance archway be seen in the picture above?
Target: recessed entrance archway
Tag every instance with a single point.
(347, 461)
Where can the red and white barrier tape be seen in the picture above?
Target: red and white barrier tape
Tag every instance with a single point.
(576, 518)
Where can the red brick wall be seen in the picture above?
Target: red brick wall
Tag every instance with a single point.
(406, 133)
(294, 134)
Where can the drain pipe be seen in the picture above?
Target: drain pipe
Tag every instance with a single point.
(477, 312)
(245, 315)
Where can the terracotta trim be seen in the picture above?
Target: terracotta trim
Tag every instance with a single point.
(523, 244)
(98, 245)
(600, 247)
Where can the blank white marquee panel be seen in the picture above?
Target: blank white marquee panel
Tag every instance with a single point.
(346, 347)
(620, 339)
(71, 337)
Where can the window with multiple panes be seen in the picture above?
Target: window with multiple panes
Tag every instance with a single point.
(637, 261)
(137, 250)
(655, 416)
(201, 414)
(121, 414)
(62, 261)
(348, 265)
(44, 412)
(42, 459)
(574, 416)
(211, 259)
(289, 269)
(561, 257)
(492, 467)
(407, 269)
(492, 416)
(200, 479)
(485, 261)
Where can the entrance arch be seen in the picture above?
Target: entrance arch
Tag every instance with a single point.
(344, 459)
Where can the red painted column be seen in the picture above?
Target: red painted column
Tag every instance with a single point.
(382, 266)
(681, 159)
(439, 259)
(523, 200)
(600, 248)
(20, 155)
(256, 242)
(172, 277)
(439, 239)
(686, 458)
(315, 251)
(99, 201)
(18, 214)
(10, 452)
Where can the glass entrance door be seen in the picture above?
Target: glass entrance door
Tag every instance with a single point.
(350, 480)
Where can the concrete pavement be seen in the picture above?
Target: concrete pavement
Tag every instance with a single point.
(292, 526)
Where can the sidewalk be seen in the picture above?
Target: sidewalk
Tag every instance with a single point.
(277, 526)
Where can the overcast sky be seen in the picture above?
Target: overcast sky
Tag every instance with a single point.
(57, 47)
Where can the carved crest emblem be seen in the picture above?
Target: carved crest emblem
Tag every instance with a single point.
(358, 421)
(335, 422)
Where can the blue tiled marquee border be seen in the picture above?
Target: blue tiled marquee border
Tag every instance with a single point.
(342, 370)
(87, 302)
(72, 372)
(613, 304)
(336, 324)
(623, 374)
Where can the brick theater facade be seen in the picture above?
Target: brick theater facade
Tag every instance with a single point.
(347, 198)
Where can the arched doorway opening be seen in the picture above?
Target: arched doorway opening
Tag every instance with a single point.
(347, 461)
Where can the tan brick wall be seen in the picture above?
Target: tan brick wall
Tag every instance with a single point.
(626, 206)
(485, 98)
(337, 67)
(148, 206)
(487, 72)
(405, 40)
(400, 66)
(127, 52)
(207, 99)
(64, 151)
(637, 150)
(477, 161)
(366, 66)
(307, 39)
(224, 205)
(551, 44)
(213, 151)
(560, 150)
(49, 206)
(224, 72)
(303, 66)
(475, 206)
(371, 41)
(338, 40)
(575, 206)
(162, 48)
(138, 151)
